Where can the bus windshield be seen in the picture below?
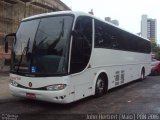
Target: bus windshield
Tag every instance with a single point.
(41, 45)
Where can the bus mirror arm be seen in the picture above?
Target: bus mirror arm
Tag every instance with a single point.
(6, 46)
(6, 41)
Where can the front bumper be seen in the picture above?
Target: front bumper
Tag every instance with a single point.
(61, 96)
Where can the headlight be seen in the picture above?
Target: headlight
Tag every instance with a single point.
(56, 87)
(14, 83)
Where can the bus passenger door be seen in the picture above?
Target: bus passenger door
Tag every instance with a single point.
(80, 55)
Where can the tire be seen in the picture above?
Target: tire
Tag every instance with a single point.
(100, 87)
(155, 73)
(142, 75)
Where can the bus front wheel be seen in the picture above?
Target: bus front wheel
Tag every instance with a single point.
(100, 87)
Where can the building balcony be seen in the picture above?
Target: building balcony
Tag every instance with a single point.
(9, 20)
(10, 1)
(25, 0)
(43, 4)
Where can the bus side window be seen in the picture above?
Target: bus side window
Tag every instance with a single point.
(100, 40)
(104, 37)
(81, 44)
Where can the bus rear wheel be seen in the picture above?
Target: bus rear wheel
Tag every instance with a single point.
(156, 73)
(100, 87)
(142, 74)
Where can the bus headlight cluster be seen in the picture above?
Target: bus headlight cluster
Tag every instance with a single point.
(14, 83)
(56, 87)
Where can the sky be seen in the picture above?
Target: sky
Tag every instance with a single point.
(127, 12)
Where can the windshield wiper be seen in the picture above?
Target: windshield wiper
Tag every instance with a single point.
(25, 52)
(62, 29)
(27, 47)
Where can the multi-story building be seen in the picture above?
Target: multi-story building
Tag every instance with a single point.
(13, 11)
(149, 28)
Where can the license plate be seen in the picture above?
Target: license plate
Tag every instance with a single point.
(31, 95)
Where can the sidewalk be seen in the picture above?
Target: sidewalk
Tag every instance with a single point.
(4, 88)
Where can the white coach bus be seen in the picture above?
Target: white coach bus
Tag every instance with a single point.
(65, 56)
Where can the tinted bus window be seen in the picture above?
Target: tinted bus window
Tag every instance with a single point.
(108, 36)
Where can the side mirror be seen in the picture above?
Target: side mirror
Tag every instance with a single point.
(6, 41)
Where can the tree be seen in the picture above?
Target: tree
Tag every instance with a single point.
(155, 50)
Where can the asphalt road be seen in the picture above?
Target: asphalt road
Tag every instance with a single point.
(140, 98)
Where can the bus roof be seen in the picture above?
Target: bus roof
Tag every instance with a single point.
(78, 13)
(56, 13)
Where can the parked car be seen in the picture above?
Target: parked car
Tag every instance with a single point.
(155, 68)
